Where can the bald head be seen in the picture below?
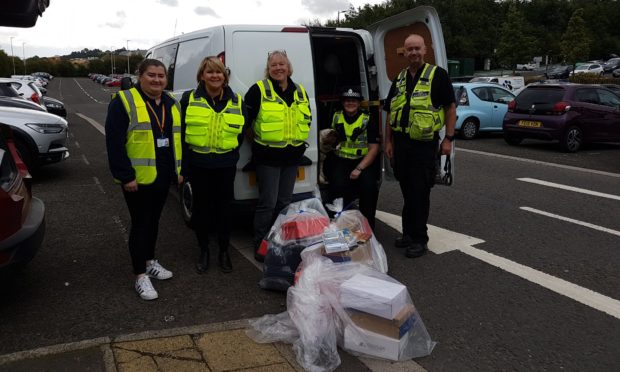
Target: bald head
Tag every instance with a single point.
(415, 50)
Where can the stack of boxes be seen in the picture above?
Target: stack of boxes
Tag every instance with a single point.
(382, 316)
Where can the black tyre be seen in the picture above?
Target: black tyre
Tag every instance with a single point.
(572, 140)
(512, 140)
(26, 155)
(469, 129)
(187, 203)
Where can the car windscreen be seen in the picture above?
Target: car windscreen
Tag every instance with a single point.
(539, 99)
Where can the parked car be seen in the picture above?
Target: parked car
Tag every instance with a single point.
(40, 137)
(616, 72)
(22, 221)
(527, 66)
(19, 102)
(613, 87)
(54, 106)
(572, 114)
(611, 64)
(591, 68)
(480, 108)
(26, 89)
(559, 72)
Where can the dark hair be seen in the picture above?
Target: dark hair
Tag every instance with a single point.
(148, 63)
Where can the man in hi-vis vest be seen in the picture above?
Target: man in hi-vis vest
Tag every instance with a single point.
(421, 101)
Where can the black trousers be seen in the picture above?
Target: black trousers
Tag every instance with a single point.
(414, 167)
(365, 188)
(213, 192)
(145, 207)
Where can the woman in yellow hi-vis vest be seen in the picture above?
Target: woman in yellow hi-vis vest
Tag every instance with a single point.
(213, 123)
(352, 170)
(280, 112)
(143, 139)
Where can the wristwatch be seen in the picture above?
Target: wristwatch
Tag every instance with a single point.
(450, 137)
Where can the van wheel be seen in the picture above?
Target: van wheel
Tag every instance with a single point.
(512, 140)
(187, 203)
(469, 129)
(572, 139)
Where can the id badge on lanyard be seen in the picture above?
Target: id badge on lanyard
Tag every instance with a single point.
(162, 141)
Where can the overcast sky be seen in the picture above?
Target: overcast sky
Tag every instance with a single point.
(72, 25)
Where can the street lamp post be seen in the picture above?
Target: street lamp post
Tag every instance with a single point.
(338, 17)
(128, 56)
(24, 53)
(13, 55)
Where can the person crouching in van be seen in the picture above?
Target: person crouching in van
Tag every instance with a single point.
(143, 140)
(352, 169)
(213, 123)
(280, 112)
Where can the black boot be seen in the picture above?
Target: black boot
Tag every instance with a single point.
(203, 262)
(223, 259)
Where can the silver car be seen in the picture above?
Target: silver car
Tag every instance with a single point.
(40, 137)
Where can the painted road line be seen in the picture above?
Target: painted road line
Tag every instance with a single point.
(85, 92)
(92, 122)
(85, 160)
(603, 173)
(569, 188)
(571, 220)
(462, 243)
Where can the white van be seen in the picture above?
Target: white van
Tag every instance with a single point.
(324, 59)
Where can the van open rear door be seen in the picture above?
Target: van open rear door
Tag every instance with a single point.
(388, 38)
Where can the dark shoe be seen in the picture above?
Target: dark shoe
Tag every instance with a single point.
(203, 262)
(416, 250)
(403, 242)
(223, 259)
(259, 257)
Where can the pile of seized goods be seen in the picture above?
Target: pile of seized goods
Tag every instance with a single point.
(338, 292)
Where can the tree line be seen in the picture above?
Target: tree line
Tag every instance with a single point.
(505, 32)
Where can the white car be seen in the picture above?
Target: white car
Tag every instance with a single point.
(39, 136)
(25, 88)
(591, 68)
(527, 66)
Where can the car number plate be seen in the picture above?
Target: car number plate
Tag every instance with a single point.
(530, 124)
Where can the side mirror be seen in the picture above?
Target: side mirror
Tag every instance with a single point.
(126, 83)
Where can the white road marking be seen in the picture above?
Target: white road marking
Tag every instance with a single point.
(99, 185)
(603, 173)
(569, 188)
(85, 160)
(60, 90)
(85, 92)
(571, 220)
(448, 241)
(77, 144)
(92, 122)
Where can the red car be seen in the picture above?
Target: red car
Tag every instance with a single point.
(22, 217)
(114, 83)
(572, 114)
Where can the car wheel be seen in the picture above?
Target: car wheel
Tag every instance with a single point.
(469, 129)
(512, 140)
(572, 139)
(187, 202)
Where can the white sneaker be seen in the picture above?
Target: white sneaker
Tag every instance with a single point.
(145, 288)
(157, 271)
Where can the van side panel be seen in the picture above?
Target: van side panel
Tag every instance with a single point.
(246, 56)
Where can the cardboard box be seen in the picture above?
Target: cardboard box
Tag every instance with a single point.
(362, 254)
(373, 344)
(394, 328)
(375, 296)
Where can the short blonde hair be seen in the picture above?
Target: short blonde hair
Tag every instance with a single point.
(212, 63)
(281, 53)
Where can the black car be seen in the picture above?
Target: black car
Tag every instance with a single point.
(20, 103)
(54, 106)
(611, 64)
(559, 72)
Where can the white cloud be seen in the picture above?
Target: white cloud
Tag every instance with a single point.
(205, 10)
(325, 7)
(169, 2)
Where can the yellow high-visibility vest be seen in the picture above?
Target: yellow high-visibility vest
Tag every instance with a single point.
(356, 144)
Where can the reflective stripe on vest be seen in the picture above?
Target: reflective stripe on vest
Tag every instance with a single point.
(424, 119)
(140, 143)
(207, 131)
(277, 124)
(356, 144)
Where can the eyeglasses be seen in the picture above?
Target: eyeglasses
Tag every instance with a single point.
(279, 51)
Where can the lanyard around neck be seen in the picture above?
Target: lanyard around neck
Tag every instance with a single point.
(161, 124)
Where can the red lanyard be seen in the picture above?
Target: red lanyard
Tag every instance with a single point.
(161, 124)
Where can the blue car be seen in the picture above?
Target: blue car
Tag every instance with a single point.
(480, 108)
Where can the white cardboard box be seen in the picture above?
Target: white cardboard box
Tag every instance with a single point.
(374, 296)
(374, 344)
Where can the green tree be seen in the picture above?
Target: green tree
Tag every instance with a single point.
(516, 45)
(575, 44)
(6, 66)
